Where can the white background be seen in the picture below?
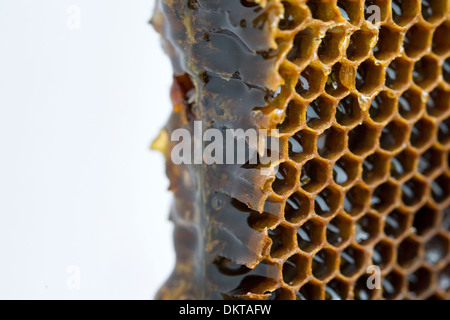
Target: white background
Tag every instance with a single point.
(78, 183)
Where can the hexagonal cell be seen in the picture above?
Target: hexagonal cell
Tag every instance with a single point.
(403, 164)
(384, 196)
(426, 72)
(294, 117)
(304, 46)
(297, 207)
(362, 139)
(392, 285)
(368, 77)
(446, 70)
(393, 135)
(438, 102)
(356, 200)
(280, 294)
(338, 230)
(433, 10)
(436, 249)
(440, 188)
(381, 5)
(398, 73)
(309, 235)
(367, 229)
(410, 104)
(324, 264)
(382, 106)
(361, 289)
(310, 291)
(383, 254)
(444, 278)
(352, 260)
(310, 82)
(339, 80)
(375, 168)
(425, 220)
(322, 9)
(441, 40)
(388, 43)
(282, 241)
(285, 178)
(314, 175)
(345, 170)
(348, 111)
(422, 133)
(328, 50)
(444, 131)
(419, 282)
(292, 16)
(301, 145)
(336, 289)
(359, 45)
(396, 224)
(408, 252)
(431, 161)
(319, 112)
(295, 270)
(413, 191)
(331, 143)
(350, 10)
(403, 11)
(416, 40)
(327, 202)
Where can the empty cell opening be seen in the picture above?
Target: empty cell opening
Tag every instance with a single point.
(438, 102)
(309, 235)
(339, 79)
(281, 241)
(384, 196)
(292, 16)
(361, 289)
(336, 290)
(350, 10)
(345, 170)
(293, 118)
(327, 202)
(383, 254)
(368, 77)
(408, 252)
(425, 72)
(441, 40)
(440, 188)
(388, 43)
(424, 220)
(362, 139)
(422, 133)
(329, 47)
(392, 285)
(446, 70)
(356, 200)
(382, 106)
(416, 40)
(398, 74)
(367, 229)
(324, 264)
(446, 220)
(374, 6)
(419, 282)
(359, 45)
(413, 192)
(331, 143)
(410, 104)
(301, 145)
(322, 9)
(348, 110)
(403, 164)
(436, 249)
(310, 82)
(375, 168)
(444, 131)
(295, 270)
(396, 224)
(403, 11)
(433, 10)
(285, 178)
(430, 161)
(352, 261)
(297, 207)
(444, 278)
(393, 135)
(310, 291)
(338, 230)
(314, 175)
(303, 47)
(319, 112)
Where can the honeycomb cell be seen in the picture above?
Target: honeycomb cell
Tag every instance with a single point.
(403, 164)
(419, 282)
(446, 220)
(426, 72)
(441, 40)
(322, 9)
(438, 103)
(375, 168)
(413, 191)
(416, 41)
(367, 229)
(362, 139)
(292, 16)
(393, 136)
(350, 10)
(383, 254)
(396, 224)
(392, 285)
(324, 264)
(436, 249)
(331, 143)
(398, 74)
(433, 10)
(444, 278)
(297, 207)
(329, 49)
(430, 161)
(361, 289)
(337, 289)
(375, 6)
(425, 220)
(444, 131)
(348, 111)
(356, 200)
(422, 133)
(403, 11)
(310, 291)
(388, 43)
(408, 252)
(303, 48)
(314, 175)
(384, 196)
(327, 202)
(360, 44)
(319, 112)
(294, 117)
(368, 77)
(382, 106)
(295, 270)
(440, 188)
(446, 70)
(282, 241)
(338, 230)
(339, 79)
(310, 235)
(301, 145)
(352, 261)
(285, 178)
(345, 170)
(410, 104)
(310, 82)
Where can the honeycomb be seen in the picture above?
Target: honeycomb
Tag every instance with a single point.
(360, 94)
